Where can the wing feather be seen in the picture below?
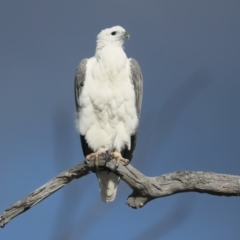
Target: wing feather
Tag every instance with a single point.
(80, 77)
(137, 81)
(79, 81)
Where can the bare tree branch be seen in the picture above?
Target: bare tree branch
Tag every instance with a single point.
(144, 188)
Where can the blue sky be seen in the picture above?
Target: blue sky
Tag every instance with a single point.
(189, 52)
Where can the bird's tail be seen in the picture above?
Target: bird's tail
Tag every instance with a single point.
(108, 183)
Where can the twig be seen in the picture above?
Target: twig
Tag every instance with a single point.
(144, 188)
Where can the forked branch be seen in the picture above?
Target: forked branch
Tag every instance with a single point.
(144, 188)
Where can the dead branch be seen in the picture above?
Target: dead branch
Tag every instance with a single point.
(144, 188)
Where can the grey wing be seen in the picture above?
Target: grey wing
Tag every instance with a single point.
(79, 81)
(137, 83)
(80, 77)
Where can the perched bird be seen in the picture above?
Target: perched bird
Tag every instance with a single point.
(108, 94)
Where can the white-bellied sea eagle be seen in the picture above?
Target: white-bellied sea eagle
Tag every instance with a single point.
(108, 94)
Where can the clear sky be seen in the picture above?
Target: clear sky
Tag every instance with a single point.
(189, 52)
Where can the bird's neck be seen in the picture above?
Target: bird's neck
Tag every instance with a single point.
(110, 51)
(111, 59)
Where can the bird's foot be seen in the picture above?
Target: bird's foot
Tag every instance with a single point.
(119, 158)
(95, 156)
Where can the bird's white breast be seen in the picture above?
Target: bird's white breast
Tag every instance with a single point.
(108, 114)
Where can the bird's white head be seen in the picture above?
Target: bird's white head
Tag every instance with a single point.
(112, 36)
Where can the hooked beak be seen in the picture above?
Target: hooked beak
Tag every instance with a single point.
(126, 35)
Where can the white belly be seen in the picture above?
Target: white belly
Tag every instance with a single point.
(108, 115)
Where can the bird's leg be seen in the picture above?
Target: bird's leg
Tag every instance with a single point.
(95, 156)
(118, 156)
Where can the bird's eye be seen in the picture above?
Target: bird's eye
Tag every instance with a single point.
(113, 33)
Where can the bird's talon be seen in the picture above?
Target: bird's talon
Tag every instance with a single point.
(126, 163)
(101, 154)
(87, 160)
(94, 157)
(115, 168)
(117, 155)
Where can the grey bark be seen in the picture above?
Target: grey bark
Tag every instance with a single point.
(144, 188)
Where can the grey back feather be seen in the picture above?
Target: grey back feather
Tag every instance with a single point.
(79, 80)
(137, 82)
